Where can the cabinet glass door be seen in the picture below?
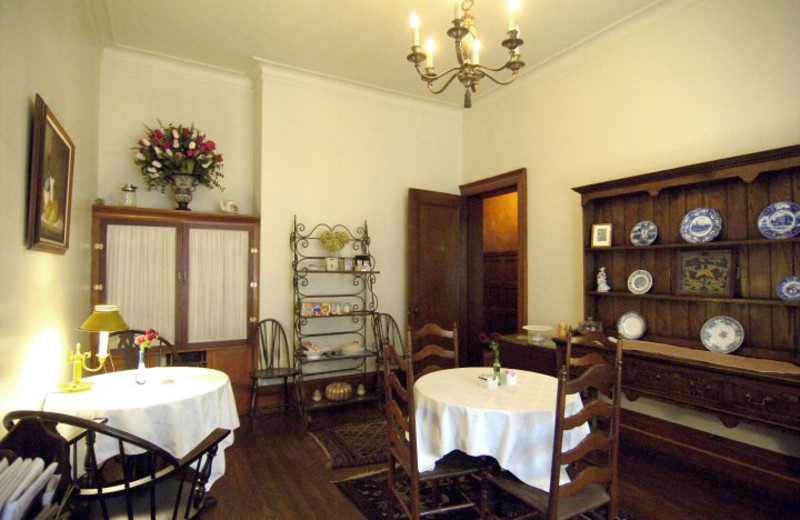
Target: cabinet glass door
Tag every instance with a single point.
(140, 275)
(218, 284)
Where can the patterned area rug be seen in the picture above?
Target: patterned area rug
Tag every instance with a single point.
(368, 494)
(353, 444)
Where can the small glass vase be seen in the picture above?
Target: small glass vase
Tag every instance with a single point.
(142, 374)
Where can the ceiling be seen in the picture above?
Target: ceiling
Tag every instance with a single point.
(363, 41)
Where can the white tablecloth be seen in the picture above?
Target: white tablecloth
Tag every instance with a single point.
(176, 409)
(513, 424)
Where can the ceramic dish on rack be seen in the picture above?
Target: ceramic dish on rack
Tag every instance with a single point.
(640, 281)
(631, 325)
(722, 334)
(536, 332)
(644, 233)
(701, 225)
(788, 289)
(780, 220)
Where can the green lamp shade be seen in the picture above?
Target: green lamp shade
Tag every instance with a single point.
(104, 318)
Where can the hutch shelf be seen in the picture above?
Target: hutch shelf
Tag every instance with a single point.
(739, 188)
(334, 303)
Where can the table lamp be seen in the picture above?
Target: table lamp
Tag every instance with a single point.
(104, 319)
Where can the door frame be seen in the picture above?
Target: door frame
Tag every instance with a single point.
(474, 193)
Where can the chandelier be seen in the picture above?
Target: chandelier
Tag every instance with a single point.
(467, 45)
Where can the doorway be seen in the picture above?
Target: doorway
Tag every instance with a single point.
(497, 257)
(446, 257)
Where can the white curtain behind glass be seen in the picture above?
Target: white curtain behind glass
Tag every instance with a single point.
(218, 284)
(140, 276)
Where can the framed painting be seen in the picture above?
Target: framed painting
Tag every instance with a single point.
(706, 273)
(601, 235)
(50, 188)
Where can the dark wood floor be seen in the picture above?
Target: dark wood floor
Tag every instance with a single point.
(278, 472)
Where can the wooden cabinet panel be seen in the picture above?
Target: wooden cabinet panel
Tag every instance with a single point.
(237, 362)
(207, 266)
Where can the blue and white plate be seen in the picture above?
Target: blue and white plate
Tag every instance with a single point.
(631, 325)
(722, 334)
(644, 233)
(639, 282)
(780, 220)
(701, 225)
(788, 289)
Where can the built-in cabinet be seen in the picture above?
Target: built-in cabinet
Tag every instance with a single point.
(739, 188)
(334, 303)
(191, 276)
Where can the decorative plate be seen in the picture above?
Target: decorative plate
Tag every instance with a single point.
(631, 325)
(780, 220)
(701, 225)
(644, 233)
(722, 334)
(639, 282)
(789, 289)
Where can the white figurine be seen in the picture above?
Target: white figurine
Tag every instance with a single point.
(602, 284)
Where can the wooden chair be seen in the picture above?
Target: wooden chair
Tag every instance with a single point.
(592, 464)
(172, 488)
(432, 348)
(402, 450)
(386, 331)
(161, 352)
(272, 362)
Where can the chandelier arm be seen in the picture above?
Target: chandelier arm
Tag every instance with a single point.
(447, 83)
(430, 78)
(486, 74)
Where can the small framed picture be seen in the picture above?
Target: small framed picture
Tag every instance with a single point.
(601, 235)
(348, 264)
(706, 273)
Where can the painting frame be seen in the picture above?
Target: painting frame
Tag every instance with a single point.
(601, 235)
(50, 184)
(706, 272)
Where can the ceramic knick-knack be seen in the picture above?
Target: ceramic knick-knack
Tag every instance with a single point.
(602, 282)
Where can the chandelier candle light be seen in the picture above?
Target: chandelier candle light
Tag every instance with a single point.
(465, 33)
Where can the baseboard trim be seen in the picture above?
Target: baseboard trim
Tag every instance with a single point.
(750, 464)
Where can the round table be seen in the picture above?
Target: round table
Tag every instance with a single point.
(513, 424)
(176, 408)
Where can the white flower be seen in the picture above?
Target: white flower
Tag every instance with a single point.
(157, 149)
(145, 142)
(169, 152)
(176, 144)
(192, 145)
(156, 164)
(140, 156)
(174, 133)
(151, 169)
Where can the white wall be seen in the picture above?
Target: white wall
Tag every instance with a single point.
(687, 82)
(138, 89)
(334, 152)
(48, 48)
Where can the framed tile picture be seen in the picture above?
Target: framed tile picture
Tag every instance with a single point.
(706, 273)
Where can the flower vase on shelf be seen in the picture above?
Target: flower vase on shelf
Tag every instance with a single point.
(142, 373)
(183, 185)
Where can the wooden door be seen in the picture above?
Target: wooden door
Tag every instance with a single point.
(437, 267)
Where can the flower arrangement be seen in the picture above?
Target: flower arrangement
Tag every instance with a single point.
(143, 340)
(177, 149)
